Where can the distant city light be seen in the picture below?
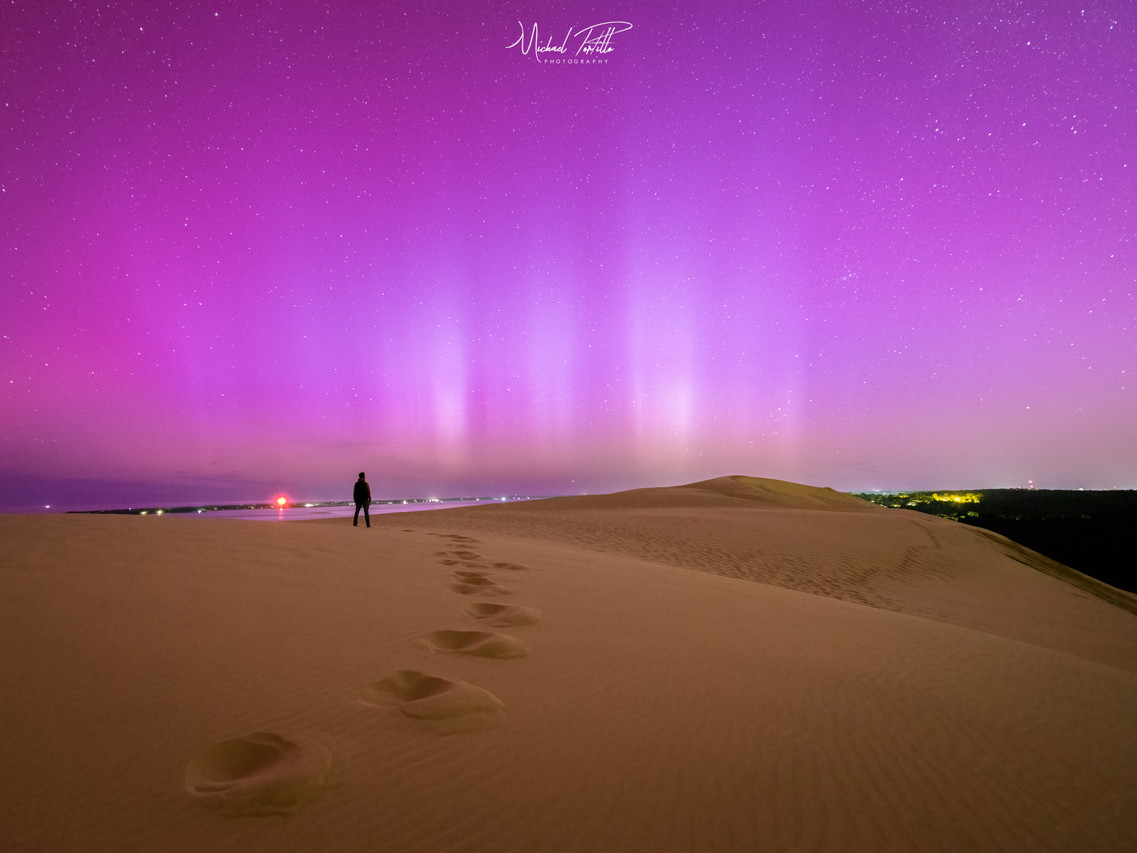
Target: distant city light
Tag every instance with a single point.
(959, 498)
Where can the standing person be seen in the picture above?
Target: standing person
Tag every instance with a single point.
(362, 496)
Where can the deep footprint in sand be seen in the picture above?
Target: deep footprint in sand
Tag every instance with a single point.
(470, 583)
(258, 774)
(447, 706)
(459, 558)
(504, 615)
(474, 578)
(479, 589)
(516, 567)
(485, 644)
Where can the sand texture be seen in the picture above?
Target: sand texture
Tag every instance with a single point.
(736, 665)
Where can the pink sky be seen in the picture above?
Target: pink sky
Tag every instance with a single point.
(250, 248)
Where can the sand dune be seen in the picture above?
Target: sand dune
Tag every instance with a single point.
(740, 664)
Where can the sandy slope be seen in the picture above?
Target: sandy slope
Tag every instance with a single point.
(735, 665)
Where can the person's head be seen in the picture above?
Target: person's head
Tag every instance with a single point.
(361, 475)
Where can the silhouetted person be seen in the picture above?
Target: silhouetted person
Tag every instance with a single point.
(362, 496)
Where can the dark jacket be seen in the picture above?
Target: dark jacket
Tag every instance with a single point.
(362, 492)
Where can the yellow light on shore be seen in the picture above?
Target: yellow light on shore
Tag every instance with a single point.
(962, 498)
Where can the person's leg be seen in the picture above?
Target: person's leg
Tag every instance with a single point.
(367, 513)
(355, 521)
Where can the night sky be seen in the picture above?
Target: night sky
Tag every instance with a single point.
(257, 247)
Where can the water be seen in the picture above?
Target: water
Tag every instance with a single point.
(303, 513)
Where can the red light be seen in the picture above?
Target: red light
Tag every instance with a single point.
(281, 501)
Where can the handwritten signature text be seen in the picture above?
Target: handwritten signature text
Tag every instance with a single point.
(594, 41)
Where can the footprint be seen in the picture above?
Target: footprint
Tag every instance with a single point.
(504, 615)
(467, 589)
(448, 706)
(466, 555)
(479, 589)
(484, 644)
(469, 583)
(456, 538)
(512, 566)
(258, 774)
(469, 564)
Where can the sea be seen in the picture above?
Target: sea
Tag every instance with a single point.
(290, 512)
(300, 512)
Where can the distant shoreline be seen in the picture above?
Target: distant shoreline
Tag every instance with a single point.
(294, 505)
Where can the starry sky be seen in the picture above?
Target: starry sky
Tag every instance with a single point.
(257, 247)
